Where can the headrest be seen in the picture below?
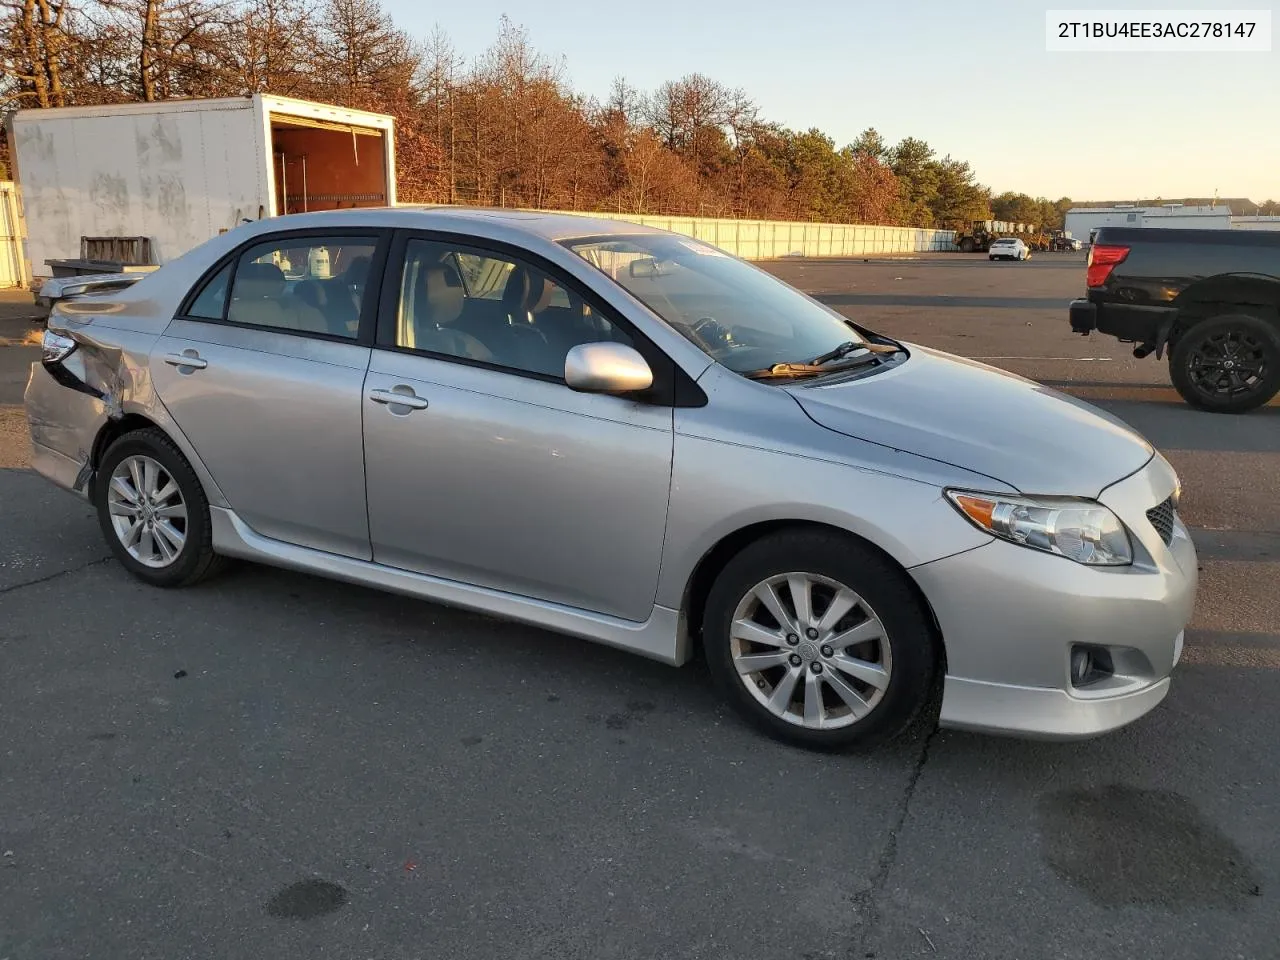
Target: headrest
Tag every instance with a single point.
(357, 271)
(527, 291)
(439, 296)
(258, 280)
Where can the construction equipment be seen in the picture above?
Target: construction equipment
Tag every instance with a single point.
(1038, 240)
(1060, 241)
(977, 236)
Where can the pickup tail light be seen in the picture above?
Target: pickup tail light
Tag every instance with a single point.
(1103, 258)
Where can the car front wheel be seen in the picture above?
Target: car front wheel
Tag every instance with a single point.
(818, 640)
(1227, 364)
(153, 511)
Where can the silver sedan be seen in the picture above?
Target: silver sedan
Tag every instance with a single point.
(629, 436)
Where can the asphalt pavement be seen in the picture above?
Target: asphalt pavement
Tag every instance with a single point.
(272, 765)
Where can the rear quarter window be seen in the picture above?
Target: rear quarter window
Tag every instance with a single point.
(211, 302)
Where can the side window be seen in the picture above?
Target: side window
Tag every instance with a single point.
(486, 278)
(483, 277)
(211, 302)
(494, 309)
(303, 284)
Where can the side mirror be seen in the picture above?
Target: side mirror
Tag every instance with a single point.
(644, 268)
(606, 368)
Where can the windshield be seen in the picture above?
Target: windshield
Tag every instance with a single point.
(737, 314)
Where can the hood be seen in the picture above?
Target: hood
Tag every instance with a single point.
(984, 420)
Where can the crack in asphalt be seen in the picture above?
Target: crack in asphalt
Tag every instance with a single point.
(55, 575)
(867, 899)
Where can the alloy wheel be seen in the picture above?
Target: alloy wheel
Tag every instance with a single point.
(1228, 363)
(810, 650)
(148, 512)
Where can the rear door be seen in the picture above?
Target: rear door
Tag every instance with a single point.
(263, 370)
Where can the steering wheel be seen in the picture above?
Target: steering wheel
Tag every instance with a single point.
(710, 332)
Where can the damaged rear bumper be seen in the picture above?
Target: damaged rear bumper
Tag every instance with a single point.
(61, 470)
(65, 416)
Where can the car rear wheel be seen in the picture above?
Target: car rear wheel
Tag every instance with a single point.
(818, 640)
(153, 511)
(1227, 364)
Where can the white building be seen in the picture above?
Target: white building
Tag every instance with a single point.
(1255, 223)
(1081, 220)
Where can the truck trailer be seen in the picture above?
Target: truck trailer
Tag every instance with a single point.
(124, 187)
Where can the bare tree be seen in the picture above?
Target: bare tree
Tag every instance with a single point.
(508, 130)
(174, 45)
(361, 57)
(269, 46)
(35, 48)
(441, 67)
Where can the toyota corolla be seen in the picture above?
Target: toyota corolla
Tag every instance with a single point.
(629, 436)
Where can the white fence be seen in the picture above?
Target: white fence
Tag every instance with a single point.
(773, 239)
(12, 258)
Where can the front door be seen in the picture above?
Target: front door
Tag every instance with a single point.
(263, 373)
(483, 467)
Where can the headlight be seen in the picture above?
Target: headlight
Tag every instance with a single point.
(55, 347)
(1081, 530)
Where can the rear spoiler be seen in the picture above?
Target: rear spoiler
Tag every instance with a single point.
(65, 288)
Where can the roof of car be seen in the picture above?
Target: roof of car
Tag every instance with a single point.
(548, 226)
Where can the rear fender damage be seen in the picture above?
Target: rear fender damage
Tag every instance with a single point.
(110, 366)
(100, 370)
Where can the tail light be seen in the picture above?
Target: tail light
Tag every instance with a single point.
(55, 347)
(1103, 258)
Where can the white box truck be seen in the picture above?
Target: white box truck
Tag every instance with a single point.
(110, 188)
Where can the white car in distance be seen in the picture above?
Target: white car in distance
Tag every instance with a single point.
(1008, 248)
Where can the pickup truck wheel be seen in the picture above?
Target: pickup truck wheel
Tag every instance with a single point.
(1227, 364)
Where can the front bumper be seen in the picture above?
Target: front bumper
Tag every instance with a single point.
(1010, 615)
(1039, 713)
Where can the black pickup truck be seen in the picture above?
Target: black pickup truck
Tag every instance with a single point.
(1211, 298)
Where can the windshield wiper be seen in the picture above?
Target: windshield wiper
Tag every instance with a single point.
(786, 370)
(843, 350)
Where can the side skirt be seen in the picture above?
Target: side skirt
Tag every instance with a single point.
(661, 637)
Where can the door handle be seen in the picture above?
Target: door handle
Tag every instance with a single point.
(190, 359)
(394, 398)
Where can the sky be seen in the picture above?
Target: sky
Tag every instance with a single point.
(972, 79)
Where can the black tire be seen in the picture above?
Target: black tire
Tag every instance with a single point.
(1197, 363)
(990, 258)
(967, 245)
(195, 560)
(883, 587)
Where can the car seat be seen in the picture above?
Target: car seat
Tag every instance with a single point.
(438, 299)
(256, 296)
(526, 295)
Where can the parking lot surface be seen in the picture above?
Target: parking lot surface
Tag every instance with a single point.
(273, 765)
